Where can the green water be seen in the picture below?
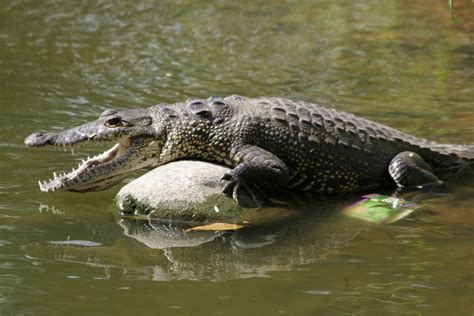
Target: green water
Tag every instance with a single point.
(403, 63)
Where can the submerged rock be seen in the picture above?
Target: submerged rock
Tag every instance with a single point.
(189, 191)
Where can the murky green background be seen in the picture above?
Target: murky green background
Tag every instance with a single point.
(403, 63)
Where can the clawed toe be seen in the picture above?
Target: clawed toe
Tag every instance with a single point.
(244, 194)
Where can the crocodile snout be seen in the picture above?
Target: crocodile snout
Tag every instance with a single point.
(39, 139)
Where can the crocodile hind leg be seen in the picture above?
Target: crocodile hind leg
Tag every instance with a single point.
(408, 169)
(258, 169)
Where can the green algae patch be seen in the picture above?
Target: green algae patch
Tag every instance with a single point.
(130, 205)
(216, 208)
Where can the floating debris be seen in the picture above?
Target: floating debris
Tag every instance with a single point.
(217, 227)
(380, 209)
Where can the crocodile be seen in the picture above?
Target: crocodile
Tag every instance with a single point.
(268, 142)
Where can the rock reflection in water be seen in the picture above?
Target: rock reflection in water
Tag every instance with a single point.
(162, 250)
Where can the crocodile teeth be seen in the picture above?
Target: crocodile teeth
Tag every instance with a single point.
(64, 179)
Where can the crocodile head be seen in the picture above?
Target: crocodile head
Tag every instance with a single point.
(138, 141)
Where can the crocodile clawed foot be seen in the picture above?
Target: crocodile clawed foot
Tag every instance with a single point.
(245, 194)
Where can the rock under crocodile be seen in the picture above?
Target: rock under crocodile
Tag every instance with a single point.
(188, 191)
(268, 142)
(183, 190)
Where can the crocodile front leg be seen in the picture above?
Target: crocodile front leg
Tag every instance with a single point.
(258, 169)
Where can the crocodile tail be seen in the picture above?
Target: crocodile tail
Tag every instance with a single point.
(470, 154)
(465, 152)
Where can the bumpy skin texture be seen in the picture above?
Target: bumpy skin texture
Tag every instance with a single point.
(278, 142)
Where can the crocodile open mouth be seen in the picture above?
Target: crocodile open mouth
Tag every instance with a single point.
(92, 173)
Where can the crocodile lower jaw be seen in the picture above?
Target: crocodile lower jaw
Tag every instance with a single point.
(100, 167)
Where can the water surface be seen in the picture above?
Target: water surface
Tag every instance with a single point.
(63, 62)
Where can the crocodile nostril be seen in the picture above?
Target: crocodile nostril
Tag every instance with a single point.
(35, 138)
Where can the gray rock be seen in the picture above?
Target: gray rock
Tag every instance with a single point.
(184, 190)
(189, 191)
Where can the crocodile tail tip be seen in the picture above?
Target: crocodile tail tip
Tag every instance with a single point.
(471, 154)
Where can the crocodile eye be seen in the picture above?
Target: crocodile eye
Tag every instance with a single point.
(113, 122)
